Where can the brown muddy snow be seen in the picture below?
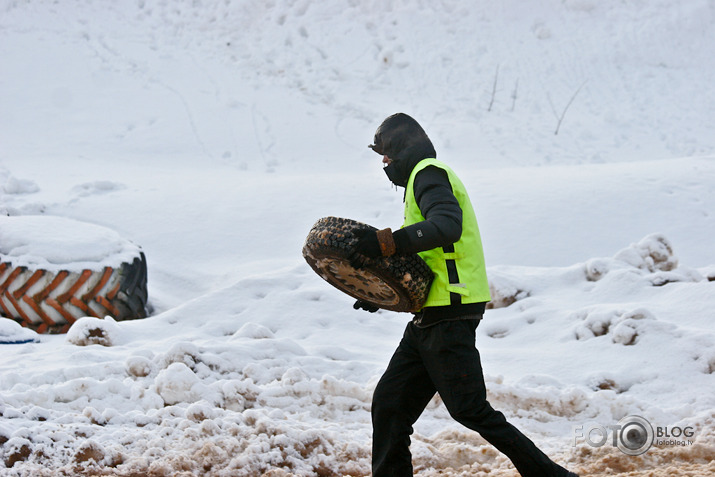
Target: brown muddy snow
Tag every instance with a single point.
(697, 460)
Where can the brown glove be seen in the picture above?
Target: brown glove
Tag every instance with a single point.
(371, 244)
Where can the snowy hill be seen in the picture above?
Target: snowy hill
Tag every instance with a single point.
(214, 134)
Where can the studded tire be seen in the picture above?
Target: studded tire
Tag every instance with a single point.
(397, 283)
(50, 302)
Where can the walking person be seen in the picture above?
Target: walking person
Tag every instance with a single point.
(437, 352)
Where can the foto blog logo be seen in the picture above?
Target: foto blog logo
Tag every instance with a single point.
(633, 435)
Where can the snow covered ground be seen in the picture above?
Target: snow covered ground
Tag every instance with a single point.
(214, 134)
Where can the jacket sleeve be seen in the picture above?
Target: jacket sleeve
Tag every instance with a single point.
(443, 215)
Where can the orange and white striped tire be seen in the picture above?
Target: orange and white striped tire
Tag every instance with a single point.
(49, 302)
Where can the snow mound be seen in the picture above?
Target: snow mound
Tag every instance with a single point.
(94, 331)
(58, 243)
(178, 383)
(624, 327)
(652, 253)
(504, 291)
(12, 333)
(253, 331)
(11, 185)
(651, 259)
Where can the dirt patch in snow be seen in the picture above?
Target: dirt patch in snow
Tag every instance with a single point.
(484, 461)
(694, 461)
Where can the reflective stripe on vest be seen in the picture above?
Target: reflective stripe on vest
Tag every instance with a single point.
(460, 273)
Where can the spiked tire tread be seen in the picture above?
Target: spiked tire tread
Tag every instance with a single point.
(397, 283)
(50, 302)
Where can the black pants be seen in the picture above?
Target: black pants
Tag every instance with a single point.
(442, 358)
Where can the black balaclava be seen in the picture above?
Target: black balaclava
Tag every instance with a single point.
(403, 140)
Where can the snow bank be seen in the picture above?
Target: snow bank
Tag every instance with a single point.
(273, 396)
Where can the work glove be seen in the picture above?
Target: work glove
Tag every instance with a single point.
(365, 305)
(371, 244)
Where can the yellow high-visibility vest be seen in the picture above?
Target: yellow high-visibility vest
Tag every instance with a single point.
(464, 261)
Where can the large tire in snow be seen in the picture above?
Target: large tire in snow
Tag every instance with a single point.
(397, 283)
(87, 271)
